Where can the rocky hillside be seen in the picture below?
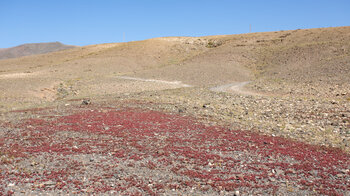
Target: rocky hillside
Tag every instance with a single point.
(309, 62)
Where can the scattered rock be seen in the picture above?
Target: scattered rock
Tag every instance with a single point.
(86, 102)
(49, 183)
(206, 105)
(279, 172)
(11, 184)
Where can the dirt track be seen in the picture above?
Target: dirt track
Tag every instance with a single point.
(124, 149)
(237, 87)
(175, 83)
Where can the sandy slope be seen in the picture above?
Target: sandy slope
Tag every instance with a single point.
(304, 62)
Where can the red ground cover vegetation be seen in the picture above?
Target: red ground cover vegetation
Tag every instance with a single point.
(134, 151)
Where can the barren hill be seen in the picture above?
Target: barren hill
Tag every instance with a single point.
(284, 62)
(307, 64)
(31, 49)
(260, 113)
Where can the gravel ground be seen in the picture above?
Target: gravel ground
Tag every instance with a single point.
(314, 120)
(127, 147)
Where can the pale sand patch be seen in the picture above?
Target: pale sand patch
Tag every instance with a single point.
(178, 83)
(18, 75)
(48, 93)
(237, 87)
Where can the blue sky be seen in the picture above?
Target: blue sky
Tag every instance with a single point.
(84, 22)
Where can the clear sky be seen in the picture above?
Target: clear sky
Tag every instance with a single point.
(84, 22)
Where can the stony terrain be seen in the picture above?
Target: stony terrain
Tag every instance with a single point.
(262, 113)
(124, 148)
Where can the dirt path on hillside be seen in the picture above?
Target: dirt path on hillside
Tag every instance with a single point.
(18, 75)
(178, 83)
(237, 87)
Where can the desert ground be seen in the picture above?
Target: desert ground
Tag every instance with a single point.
(247, 114)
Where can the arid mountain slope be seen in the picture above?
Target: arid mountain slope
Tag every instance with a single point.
(311, 61)
(318, 56)
(31, 49)
(307, 62)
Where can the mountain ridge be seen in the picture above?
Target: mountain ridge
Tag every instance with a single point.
(32, 49)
